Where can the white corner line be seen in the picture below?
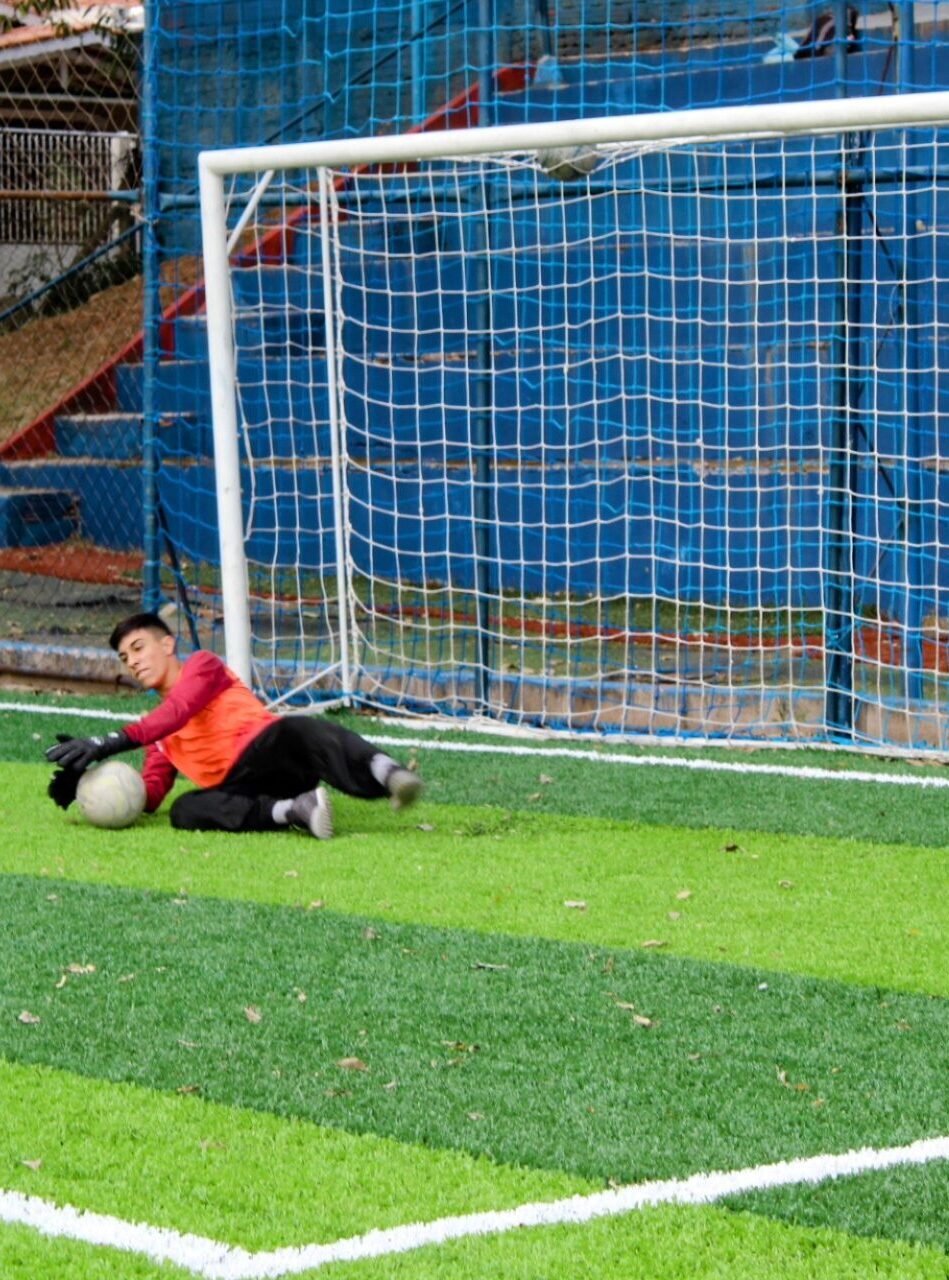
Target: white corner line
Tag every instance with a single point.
(806, 772)
(213, 1260)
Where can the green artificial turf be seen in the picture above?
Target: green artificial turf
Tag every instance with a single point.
(750, 898)
(247, 1178)
(27, 1255)
(652, 795)
(521, 1050)
(659, 1244)
(906, 1203)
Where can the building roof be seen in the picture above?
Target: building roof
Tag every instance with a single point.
(70, 27)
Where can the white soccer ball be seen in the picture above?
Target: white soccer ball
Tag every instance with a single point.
(111, 795)
(568, 164)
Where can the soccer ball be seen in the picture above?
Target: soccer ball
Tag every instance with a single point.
(111, 795)
(568, 164)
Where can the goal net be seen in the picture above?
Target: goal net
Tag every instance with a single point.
(631, 424)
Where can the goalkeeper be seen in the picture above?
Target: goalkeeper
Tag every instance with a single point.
(255, 771)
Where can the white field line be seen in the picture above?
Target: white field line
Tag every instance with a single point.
(216, 1261)
(807, 772)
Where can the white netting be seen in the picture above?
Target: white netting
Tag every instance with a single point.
(642, 439)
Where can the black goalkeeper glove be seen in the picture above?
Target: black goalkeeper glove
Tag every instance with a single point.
(62, 787)
(77, 754)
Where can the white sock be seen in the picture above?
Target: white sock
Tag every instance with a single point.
(380, 766)
(281, 812)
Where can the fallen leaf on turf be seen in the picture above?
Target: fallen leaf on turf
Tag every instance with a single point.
(36, 1165)
(484, 964)
(642, 1021)
(300, 995)
(80, 968)
(28, 1019)
(352, 1064)
(390, 1085)
(188, 1088)
(290, 875)
(785, 884)
(655, 942)
(424, 826)
(675, 915)
(475, 1115)
(535, 795)
(545, 779)
(252, 1013)
(126, 977)
(575, 904)
(789, 1084)
(370, 934)
(315, 905)
(52, 897)
(683, 895)
(64, 978)
(624, 1004)
(187, 1044)
(208, 1144)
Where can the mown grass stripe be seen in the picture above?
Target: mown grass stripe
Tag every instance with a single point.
(216, 1261)
(27, 1255)
(521, 1050)
(660, 1244)
(605, 756)
(904, 1203)
(247, 1178)
(678, 789)
(777, 902)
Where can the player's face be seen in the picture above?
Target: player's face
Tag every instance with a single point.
(150, 657)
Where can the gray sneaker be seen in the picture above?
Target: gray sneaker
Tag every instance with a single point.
(404, 787)
(313, 812)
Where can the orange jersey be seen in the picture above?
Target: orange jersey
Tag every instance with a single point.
(201, 727)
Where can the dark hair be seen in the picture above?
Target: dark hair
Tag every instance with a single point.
(138, 622)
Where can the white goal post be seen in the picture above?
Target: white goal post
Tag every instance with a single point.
(631, 424)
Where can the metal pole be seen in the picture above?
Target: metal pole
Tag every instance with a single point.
(839, 619)
(485, 48)
(337, 444)
(227, 474)
(151, 534)
(914, 275)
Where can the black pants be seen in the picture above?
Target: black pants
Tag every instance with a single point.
(290, 756)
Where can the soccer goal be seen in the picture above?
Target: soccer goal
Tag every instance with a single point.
(631, 424)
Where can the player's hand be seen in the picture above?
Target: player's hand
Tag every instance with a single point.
(62, 787)
(79, 753)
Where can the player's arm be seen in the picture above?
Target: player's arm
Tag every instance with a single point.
(202, 678)
(158, 774)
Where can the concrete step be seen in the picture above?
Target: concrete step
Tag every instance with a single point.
(115, 436)
(37, 517)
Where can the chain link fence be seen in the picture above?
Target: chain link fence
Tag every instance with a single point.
(71, 302)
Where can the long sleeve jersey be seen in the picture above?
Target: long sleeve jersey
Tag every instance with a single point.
(200, 728)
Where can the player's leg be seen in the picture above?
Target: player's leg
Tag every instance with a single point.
(309, 750)
(226, 809)
(221, 809)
